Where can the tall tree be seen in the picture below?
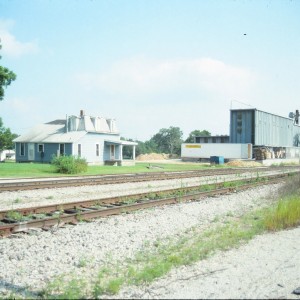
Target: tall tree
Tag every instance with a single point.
(168, 140)
(6, 137)
(194, 133)
(6, 77)
(146, 147)
(141, 148)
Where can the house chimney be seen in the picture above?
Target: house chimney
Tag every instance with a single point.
(81, 113)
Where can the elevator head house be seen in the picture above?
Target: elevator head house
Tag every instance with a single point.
(279, 136)
(253, 134)
(96, 139)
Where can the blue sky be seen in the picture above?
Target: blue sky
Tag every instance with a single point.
(149, 64)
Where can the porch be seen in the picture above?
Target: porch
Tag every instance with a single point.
(114, 153)
(116, 162)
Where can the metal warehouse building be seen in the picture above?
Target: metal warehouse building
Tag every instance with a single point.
(253, 134)
(263, 129)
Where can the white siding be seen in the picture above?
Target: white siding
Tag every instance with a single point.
(88, 146)
(230, 151)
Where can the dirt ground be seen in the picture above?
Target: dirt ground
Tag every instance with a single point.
(152, 156)
(165, 158)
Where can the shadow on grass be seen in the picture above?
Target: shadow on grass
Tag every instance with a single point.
(16, 290)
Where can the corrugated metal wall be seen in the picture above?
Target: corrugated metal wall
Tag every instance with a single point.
(212, 139)
(262, 129)
(242, 126)
(272, 130)
(296, 135)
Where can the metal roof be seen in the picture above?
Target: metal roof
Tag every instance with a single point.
(260, 111)
(57, 122)
(56, 131)
(52, 132)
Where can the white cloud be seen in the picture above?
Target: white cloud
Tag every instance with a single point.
(10, 45)
(138, 76)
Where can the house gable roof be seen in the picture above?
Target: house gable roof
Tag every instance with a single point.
(56, 131)
(51, 132)
(57, 122)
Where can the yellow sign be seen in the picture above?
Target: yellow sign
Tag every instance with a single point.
(193, 146)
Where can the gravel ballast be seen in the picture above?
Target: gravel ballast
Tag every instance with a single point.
(30, 198)
(33, 260)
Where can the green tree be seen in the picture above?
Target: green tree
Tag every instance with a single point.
(127, 150)
(6, 137)
(146, 147)
(6, 77)
(141, 148)
(194, 133)
(168, 140)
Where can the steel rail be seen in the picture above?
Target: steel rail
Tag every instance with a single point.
(111, 200)
(119, 207)
(124, 178)
(101, 180)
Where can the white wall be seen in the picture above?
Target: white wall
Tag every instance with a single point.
(3, 154)
(88, 146)
(230, 151)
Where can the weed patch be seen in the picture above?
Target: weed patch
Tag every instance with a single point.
(284, 215)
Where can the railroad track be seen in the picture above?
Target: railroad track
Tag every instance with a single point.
(22, 220)
(30, 184)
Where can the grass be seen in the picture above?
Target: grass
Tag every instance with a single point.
(14, 215)
(158, 259)
(17, 200)
(61, 288)
(284, 215)
(15, 170)
(84, 261)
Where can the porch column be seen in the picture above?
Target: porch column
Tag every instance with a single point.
(121, 152)
(133, 153)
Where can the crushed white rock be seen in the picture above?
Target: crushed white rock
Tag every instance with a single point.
(30, 261)
(30, 198)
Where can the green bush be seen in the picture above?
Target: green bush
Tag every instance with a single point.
(69, 164)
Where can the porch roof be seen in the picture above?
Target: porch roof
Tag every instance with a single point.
(120, 142)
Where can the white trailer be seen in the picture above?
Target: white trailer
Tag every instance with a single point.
(7, 154)
(228, 151)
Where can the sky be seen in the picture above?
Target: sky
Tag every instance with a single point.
(149, 64)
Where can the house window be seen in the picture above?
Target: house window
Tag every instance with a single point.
(40, 147)
(79, 150)
(97, 149)
(62, 149)
(22, 149)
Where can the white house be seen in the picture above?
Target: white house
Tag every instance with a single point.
(96, 139)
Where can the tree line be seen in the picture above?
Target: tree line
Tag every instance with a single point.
(167, 140)
(6, 136)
